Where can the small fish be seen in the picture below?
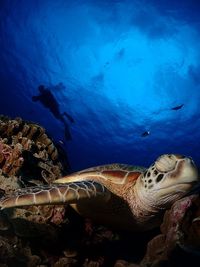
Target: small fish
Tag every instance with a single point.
(177, 107)
(145, 134)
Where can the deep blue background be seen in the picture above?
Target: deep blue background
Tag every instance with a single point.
(117, 67)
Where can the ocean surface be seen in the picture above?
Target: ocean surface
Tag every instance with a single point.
(121, 78)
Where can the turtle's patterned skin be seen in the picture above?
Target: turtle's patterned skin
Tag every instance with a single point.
(121, 195)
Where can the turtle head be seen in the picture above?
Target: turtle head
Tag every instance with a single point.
(168, 179)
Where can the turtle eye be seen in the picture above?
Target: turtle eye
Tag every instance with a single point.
(159, 178)
(165, 163)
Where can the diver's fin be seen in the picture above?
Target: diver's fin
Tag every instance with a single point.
(69, 117)
(55, 194)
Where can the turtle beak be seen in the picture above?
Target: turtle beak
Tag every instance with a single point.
(189, 171)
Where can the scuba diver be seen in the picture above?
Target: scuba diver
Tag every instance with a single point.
(48, 100)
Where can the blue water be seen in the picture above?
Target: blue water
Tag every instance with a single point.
(116, 67)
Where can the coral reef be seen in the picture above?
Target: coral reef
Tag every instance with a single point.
(27, 157)
(27, 151)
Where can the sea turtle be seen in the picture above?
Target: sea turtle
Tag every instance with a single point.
(127, 197)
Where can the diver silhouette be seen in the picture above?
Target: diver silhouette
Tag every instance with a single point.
(48, 100)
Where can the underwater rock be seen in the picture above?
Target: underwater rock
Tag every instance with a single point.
(14, 252)
(180, 235)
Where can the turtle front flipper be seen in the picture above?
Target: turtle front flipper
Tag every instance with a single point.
(55, 194)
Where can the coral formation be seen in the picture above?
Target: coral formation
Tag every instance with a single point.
(27, 151)
(27, 157)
